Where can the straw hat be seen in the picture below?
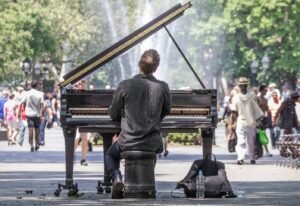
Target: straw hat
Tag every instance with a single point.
(243, 81)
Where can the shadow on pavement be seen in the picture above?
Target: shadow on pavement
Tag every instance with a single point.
(43, 185)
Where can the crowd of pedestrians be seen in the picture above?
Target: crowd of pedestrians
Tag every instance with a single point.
(26, 108)
(246, 110)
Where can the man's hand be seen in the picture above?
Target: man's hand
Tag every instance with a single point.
(232, 126)
(259, 123)
(115, 138)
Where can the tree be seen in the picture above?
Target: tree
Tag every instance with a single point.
(271, 28)
(23, 33)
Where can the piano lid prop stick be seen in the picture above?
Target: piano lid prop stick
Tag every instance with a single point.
(184, 57)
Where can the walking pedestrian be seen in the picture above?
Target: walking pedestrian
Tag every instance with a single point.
(80, 136)
(244, 116)
(83, 137)
(297, 108)
(267, 119)
(272, 88)
(34, 112)
(45, 120)
(3, 99)
(55, 109)
(286, 115)
(22, 123)
(165, 139)
(10, 117)
(273, 104)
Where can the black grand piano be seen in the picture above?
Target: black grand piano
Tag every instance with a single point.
(88, 109)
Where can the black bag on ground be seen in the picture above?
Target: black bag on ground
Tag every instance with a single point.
(216, 184)
(232, 141)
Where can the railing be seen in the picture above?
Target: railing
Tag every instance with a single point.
(289, 150)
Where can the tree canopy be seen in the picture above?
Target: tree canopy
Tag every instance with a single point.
(222, 37)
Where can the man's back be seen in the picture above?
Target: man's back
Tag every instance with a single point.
(247, 108)
(33, 102)
(140, 104)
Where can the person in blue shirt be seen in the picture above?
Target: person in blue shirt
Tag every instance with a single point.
(3, 99)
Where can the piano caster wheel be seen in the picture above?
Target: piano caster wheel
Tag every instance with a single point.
(100, 189)
(73, 192)
(107, 189)
(58, 190)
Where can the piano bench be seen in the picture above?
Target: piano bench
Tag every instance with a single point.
(139, 178)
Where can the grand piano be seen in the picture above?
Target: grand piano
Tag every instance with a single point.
(87, 110)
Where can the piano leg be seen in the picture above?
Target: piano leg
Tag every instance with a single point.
(107, 141)
(69, 135)
(207, 141)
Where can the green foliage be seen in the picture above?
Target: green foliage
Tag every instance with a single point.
(221, 38)
(184, 138)
(265, 28)
(23, 33)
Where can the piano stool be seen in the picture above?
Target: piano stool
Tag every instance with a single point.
(139, 178)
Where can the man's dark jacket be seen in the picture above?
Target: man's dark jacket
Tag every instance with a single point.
(140, 104)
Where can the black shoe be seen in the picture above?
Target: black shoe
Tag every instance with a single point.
(36, 148)
(118, 183)
(240, 162)
(117, 194)
(31, 149)
(189, 192)
(166, 153)
(230, 195)
(253, 162)
(118, 186)
(90, 147)
(83, 162)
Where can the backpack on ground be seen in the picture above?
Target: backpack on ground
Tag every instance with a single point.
(216, 184)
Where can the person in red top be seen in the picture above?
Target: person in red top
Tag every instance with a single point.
(22, 124)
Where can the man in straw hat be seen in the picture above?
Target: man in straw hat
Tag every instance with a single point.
(244, 116)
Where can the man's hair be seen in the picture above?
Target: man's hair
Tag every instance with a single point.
(34, 84)
(149, 61)
(262, 87)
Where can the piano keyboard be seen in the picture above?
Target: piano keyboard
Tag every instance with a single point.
(175, 111)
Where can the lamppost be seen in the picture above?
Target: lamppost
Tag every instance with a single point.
(254, 66)
(37, 71)
(265, 61)
(26, 67)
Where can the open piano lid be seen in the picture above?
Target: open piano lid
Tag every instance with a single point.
(124, 44)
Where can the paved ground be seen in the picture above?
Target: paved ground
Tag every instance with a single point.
(21, 170)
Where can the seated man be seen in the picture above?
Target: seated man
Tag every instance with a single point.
(139, 103)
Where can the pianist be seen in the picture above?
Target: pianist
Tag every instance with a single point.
(139, 103)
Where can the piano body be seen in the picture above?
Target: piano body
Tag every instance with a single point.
(88, 109)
